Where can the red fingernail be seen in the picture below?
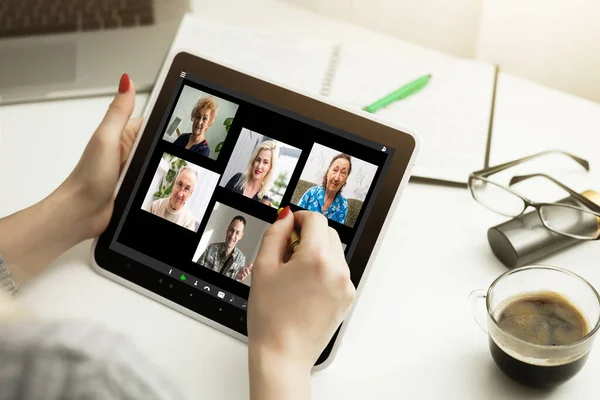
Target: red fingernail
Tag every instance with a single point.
(283, 213)
(124, 83)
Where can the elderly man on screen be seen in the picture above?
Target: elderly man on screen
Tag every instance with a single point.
(173, 208)
(224, 257)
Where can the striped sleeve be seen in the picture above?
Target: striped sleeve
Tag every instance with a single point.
(57, 360)
(7, 284)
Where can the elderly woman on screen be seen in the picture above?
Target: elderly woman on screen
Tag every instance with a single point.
(327, 199)
(256, 181)
(203, 115)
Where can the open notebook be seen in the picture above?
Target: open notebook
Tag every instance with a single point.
(452, 114)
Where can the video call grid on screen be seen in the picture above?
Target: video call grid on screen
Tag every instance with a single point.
(304, 147)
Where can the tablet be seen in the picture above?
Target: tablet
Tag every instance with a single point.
(220, 150)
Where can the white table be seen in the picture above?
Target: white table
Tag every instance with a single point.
(412, 335)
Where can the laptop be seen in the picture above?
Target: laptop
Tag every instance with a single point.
(74, 48)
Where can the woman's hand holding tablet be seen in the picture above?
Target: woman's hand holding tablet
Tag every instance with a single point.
(188, 221)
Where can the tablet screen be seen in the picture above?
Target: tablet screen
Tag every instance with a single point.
(218, 170)
(220, 152)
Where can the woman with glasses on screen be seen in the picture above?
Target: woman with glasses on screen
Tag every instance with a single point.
(256, 181)
(327, 199)
(203, 115)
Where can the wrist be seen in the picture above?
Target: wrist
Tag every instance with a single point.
(275, 375)
(31, 238)
(262, 353)
(81, 212)
(68, 202)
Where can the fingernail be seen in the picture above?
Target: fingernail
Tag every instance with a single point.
(124, 83)
(283, 212)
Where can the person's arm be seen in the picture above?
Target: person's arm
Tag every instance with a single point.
(274, 377)
(242, 262)
(243, 270)
(233, 181)
(81, 207)
(305, 199)
(297, 301)
(343, 213)
(191, 223)
(181, 140)
(33, 237)
(202, 259)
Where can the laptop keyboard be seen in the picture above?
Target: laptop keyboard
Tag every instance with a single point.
(37, 17)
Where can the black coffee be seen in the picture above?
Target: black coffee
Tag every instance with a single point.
(547, 319)
(543, 318)
(535, 375)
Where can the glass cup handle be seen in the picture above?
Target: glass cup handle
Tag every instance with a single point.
(475, 298)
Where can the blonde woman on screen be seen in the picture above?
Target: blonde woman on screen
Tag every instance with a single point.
(202, 116)
(256, 181)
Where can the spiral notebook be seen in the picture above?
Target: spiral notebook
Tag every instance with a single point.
(453, 114)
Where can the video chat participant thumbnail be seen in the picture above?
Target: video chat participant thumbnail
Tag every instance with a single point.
(230, 243)
(260, 168)
(200, 122)
(334, 184)
(182, 201)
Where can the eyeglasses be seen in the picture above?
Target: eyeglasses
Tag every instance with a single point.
(186, 190)
(565, 219)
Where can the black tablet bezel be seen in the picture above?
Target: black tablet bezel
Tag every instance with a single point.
(315, 110)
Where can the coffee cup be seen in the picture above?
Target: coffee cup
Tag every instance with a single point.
(541, 323)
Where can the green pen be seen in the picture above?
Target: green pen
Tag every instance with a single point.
(405, 91)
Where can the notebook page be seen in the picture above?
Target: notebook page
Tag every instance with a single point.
(537, 118)
(300, 63)
(451, 114)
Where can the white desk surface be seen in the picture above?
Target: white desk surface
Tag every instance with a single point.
(411, 336)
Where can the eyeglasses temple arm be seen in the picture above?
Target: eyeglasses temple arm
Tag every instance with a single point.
(492, 170)
(587, 202)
